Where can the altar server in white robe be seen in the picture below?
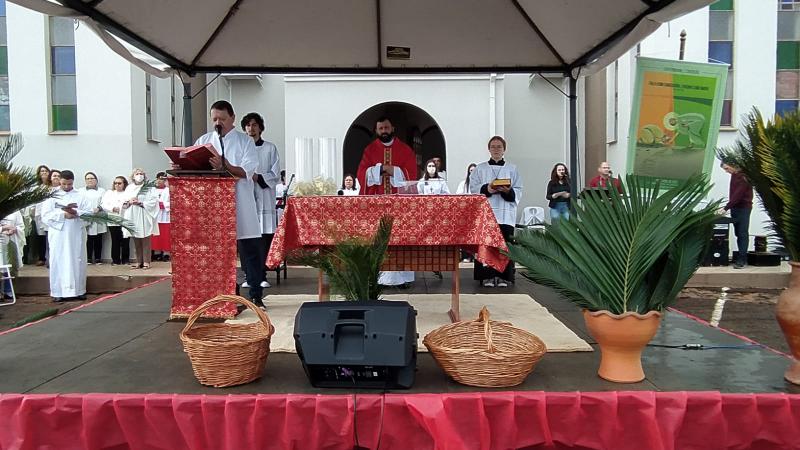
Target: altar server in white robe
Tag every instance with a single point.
(266, 178)
(241, 161)
(350, 186)
(12, 229)
(141, 209)
(432, 182)
(67, 240)
(500, 182)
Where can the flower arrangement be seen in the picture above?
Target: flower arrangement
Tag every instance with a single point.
(317, 186)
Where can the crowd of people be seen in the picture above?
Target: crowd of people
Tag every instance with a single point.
(66, 232)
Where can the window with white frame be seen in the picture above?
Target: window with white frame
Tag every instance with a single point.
(63, 92)
(5, 98)
(787, 70)
(720, 49)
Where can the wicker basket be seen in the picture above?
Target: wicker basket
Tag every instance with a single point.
(224, 354)
(485, 353)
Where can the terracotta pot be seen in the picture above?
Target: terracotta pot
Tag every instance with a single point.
(788, 314)
(622, 339)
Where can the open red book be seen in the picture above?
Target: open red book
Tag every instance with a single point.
(192, 158)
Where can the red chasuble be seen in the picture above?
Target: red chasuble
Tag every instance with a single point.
(398, 154)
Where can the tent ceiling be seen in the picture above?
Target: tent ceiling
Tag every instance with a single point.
(352, 36)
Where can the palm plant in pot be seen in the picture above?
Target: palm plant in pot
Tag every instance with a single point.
(768, 153)
(353, 264)
(623, 259)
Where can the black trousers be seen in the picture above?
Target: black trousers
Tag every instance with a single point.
(120, 247)
(250, 258)
(267, 243)
(482, 272)
(94, 248)
(741, 227)
(39, 247)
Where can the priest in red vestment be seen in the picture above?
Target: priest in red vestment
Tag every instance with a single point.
(386, 162)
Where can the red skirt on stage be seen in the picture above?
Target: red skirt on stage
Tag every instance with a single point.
(162, 242)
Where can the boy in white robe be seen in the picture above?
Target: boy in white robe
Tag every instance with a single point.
(67, 240)
(266, 178)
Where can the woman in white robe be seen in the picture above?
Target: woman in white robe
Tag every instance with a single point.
(141, 209)
(432, 182)
(463, 186)
(94, 231)
(350, 186)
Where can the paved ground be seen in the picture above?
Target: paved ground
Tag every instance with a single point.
(125, 344)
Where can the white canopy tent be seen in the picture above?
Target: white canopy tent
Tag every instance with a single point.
(567, 37)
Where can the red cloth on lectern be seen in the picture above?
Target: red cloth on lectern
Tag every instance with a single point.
(465, 221)
(203, 212)
(401, 156)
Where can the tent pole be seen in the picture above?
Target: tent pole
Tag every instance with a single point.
(573, 134)
(187, 114)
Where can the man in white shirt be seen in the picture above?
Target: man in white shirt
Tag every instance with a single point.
(241, 161)
(266, 178)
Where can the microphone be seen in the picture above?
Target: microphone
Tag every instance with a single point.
(286, 191)
(218, 129)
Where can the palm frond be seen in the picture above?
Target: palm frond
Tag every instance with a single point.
(19, 186)
(352, 264)
(768, 153)
(619, 252)
(103, 218)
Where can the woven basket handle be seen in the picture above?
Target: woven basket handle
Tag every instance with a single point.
(483, 316)
(222, 299)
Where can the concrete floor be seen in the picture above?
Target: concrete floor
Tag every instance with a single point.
(125, 344)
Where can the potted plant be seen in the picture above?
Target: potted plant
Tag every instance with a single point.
(353, 264)
(623, 259)
(768, 153)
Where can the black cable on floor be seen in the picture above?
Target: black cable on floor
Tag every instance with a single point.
(707, 347)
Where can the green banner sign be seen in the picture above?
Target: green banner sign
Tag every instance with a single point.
(675, 118)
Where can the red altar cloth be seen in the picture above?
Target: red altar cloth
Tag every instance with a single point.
(464, 221)
(502, 420)
(203, 215)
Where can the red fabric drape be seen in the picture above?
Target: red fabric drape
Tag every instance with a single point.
(466, 221)
(594, 420)
(203, 233)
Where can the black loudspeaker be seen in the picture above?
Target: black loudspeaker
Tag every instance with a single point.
(763, 259)
(719, 250)
(365, 344)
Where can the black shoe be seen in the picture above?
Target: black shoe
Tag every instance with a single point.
(738, 265)
(58, 299)
(80, 297)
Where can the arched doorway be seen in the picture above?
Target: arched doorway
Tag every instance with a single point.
(412, 125)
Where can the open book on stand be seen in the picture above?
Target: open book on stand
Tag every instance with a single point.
(195, 157)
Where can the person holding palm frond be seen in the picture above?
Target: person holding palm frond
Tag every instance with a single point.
(67, 240)
(38, 233)
(20, 188)
(141, 209)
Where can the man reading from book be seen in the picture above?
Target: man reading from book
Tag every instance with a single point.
(67, 240)
(241, 161)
